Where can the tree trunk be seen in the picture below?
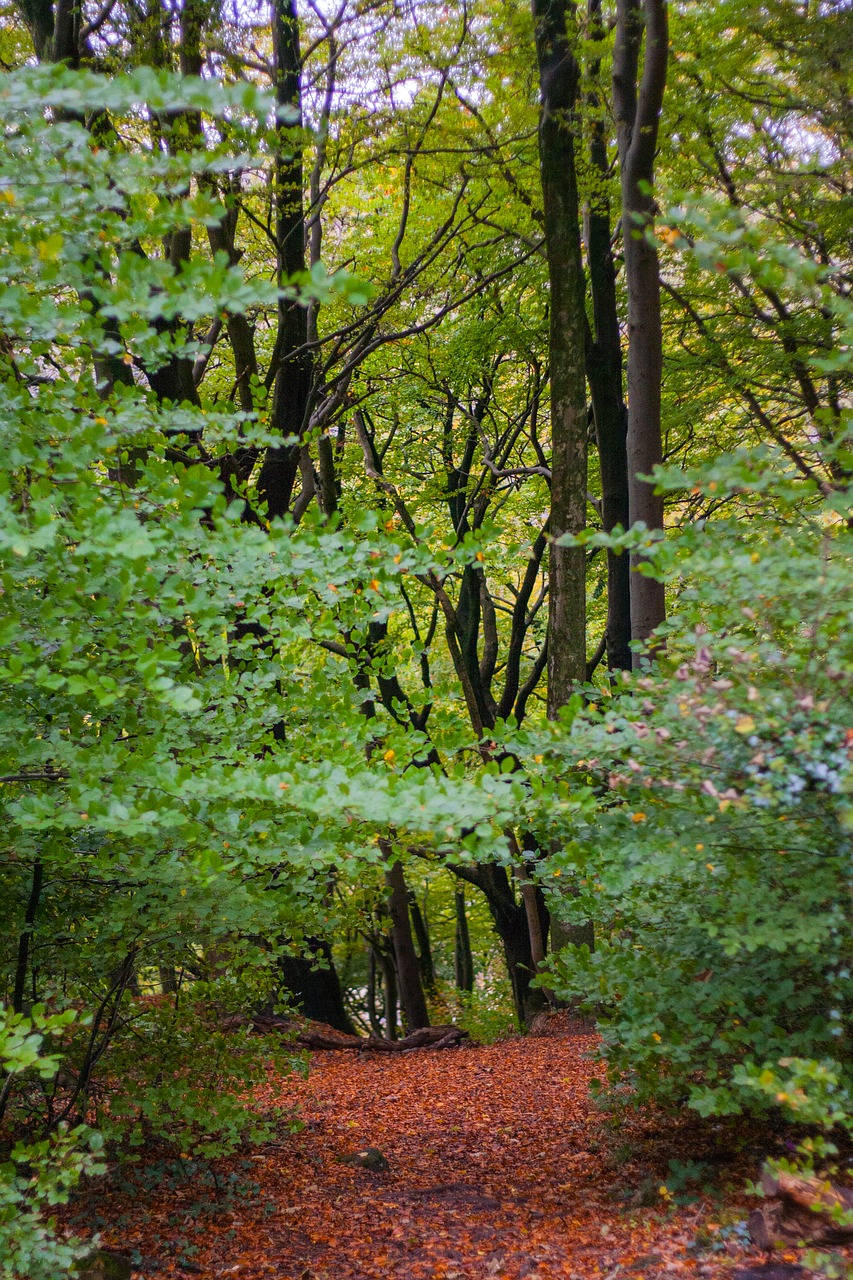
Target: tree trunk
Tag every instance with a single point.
(463, 960)
(412, 998)
(637, 118)
(515, 938)
(372, 1017)
(604, 374)
(531, 911)
(572, 935)
(558, 85)
(313, 982)
(425, 963)
(389, 982)
(291, 364)
(168, 976)
(26, 936)
(510, 920)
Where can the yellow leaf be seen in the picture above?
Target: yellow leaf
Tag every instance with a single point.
(50, 249)
(745, 724)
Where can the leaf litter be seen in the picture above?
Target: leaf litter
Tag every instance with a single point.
(500, 1164)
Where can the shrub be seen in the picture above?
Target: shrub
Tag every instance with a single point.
(717, 868)
(37, 1176)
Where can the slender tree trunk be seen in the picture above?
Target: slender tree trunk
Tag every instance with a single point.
(514, 933)
(558, 85)
(372, 975)
(389, 982)
(419, 925)
(604, 375)
(638, 116)
(463, 960)
(531, 911)
(26, 937)
(411, 990)
(292, 376)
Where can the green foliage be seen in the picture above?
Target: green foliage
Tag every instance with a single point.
(812, 1091)
(158, 634)
(184, 1071)
(718, 866)
(486, 1012)
(210, 720)
(814, 1094)
(37, 1176)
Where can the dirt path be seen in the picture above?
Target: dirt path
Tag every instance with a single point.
(498, 1167)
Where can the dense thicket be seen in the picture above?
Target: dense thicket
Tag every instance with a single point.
(337, 348)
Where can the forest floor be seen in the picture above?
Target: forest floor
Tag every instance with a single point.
(500, 1165)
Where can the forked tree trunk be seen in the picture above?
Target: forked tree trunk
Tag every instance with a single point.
(411, 990)
(638, 116)
(511, 923)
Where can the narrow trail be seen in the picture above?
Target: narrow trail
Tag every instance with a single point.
(499, 1166)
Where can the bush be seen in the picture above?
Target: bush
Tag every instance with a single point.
(183, 1071)
(487, 1012)
(38, 1176)
(717, 868)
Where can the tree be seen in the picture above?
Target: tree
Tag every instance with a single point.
(604, 365)
(354, 493)
(637, 111)
(559, 77)
(152, 640)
